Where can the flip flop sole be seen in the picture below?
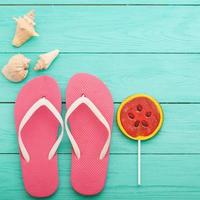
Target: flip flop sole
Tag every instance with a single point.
(88, 174)
(40, 175)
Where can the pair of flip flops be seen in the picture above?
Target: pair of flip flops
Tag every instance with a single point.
(89, 113)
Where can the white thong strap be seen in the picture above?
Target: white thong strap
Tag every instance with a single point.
(41, 102)
(100, 117)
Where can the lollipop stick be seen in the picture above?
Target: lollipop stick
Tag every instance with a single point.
(139, 162)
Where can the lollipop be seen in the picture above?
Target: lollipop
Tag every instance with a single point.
(140, 117)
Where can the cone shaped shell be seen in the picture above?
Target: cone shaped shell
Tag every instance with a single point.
(46, 59)
(24, 29)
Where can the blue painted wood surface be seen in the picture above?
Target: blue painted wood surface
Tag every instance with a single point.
(149, 46)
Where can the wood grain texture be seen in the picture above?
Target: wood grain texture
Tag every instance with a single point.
(179, 134)
(100, 2)
(146, 46)
(107, 28)
(169, 78)
(164, 177)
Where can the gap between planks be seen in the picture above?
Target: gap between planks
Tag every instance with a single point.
(103, 4)
(107, 53)
(158, 154)
(164, 103)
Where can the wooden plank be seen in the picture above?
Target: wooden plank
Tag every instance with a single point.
(179, 135)
(169, 78)
(100, 2)
(163, 177)
(107, 28)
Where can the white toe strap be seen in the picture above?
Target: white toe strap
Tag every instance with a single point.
(98, 114)
(41, 102)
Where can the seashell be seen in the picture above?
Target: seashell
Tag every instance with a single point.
(17, 68)
(46, 59)
(24, 29)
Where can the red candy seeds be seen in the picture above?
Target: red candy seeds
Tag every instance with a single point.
(140, 117)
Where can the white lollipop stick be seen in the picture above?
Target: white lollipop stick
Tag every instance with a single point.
(139, 162)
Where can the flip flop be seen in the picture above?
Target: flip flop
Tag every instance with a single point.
(37, 118)
(90, 113)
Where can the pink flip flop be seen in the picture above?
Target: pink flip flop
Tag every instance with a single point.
(37, 118)
(90, 112)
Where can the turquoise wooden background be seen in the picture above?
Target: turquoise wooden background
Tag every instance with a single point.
(149, 46)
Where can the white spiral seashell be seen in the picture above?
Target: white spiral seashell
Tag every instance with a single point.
(46, 59)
